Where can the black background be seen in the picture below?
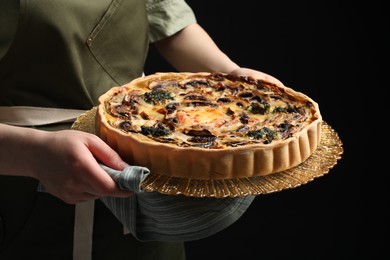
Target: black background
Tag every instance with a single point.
(335, 53)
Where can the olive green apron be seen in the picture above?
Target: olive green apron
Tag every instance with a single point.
(66, 53)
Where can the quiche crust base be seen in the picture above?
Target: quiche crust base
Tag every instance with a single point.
(200, 163)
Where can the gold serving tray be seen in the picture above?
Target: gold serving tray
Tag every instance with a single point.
(327, 154)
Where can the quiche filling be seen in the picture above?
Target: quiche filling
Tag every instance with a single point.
(214, 111)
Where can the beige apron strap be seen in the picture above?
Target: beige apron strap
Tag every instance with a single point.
(36, 116)
(83, 229)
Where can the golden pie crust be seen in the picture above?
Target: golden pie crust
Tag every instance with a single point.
(254, 158)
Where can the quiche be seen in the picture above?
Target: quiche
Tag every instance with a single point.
(208, 125)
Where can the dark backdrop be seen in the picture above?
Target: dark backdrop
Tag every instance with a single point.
(335, 53)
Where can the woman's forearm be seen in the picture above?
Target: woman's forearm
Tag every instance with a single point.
(193, 50)
(16, 150)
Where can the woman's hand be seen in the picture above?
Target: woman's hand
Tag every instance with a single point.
(256, 74)
(69, 167)
(65, 162)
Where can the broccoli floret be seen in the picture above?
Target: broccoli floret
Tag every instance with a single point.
(265, 134)
(157, 95)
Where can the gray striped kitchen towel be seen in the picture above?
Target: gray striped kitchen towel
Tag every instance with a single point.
(152, 216)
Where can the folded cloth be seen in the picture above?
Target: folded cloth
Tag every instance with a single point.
(152, 216)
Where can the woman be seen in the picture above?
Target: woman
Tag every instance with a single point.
(64, 54)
